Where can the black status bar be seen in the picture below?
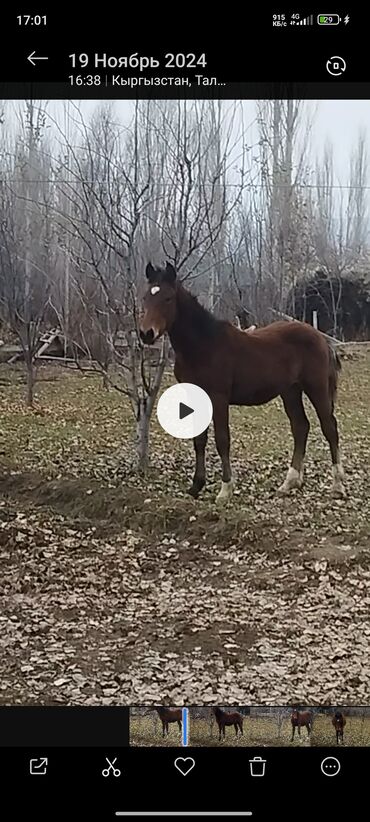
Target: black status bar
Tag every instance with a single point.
(66, 54)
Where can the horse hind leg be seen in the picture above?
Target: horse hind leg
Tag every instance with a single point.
(300, 427)
(324, 408)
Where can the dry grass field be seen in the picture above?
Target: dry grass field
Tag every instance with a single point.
(118, 590)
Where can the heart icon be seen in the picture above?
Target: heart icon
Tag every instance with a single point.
(184, 765)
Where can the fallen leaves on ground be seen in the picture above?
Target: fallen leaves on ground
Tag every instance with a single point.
(119, 591)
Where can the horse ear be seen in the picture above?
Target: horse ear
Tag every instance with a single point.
(150, 273)
(170, 273)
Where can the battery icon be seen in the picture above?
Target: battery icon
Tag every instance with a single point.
(328, 19)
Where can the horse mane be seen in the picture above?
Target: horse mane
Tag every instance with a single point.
(196, 315)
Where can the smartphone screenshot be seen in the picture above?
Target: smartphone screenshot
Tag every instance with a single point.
(184, 395)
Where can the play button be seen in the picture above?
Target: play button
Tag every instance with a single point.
(184, 410)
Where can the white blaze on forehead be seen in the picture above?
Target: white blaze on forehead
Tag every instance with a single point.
(155, 289)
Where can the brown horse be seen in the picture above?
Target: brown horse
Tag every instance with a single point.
(234, 368)
(301, 719)
(339, 723)
(224, 718)
(168, 715)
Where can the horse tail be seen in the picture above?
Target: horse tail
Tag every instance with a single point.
(335, 367)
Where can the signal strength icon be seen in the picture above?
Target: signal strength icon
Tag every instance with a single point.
(307, 21)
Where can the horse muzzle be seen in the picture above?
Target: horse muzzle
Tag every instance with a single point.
(147, 337)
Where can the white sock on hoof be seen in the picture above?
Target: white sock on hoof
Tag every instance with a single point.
(293, 479)
(338, 477)
(226, 491)
(338, 471)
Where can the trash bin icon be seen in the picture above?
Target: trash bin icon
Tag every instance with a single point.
(257, 766)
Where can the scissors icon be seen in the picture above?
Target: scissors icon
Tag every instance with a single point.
(111, 768)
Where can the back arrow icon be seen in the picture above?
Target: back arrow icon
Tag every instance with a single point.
(32, 58)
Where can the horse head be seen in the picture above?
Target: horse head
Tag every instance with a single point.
(159, 303)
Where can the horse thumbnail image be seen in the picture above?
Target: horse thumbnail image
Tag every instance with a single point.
(163, 726)
(349, 726)
(160, 726)
(251, 727)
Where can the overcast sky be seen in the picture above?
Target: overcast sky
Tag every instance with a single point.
(336, 120)
(340, 121)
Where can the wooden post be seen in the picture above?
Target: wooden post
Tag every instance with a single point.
(314, 319)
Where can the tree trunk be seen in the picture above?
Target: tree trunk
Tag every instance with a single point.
(106, 376)
(30, 381)
(142, 434)
(144, 408)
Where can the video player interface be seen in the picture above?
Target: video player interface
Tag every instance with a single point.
(184, 393)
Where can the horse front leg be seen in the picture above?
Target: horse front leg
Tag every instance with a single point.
(222, 437)
(199, 479)
(293, 732)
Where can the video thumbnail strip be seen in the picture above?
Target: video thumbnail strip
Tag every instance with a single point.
(282, 726)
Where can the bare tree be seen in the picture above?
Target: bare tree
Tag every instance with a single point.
(26, 246)
(340, 222)
(159, 189)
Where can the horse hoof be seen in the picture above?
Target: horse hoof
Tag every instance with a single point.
(194, 492)
(287, 487)
(224, 496)
(339, 491)
(293, 479)
(283, 490)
